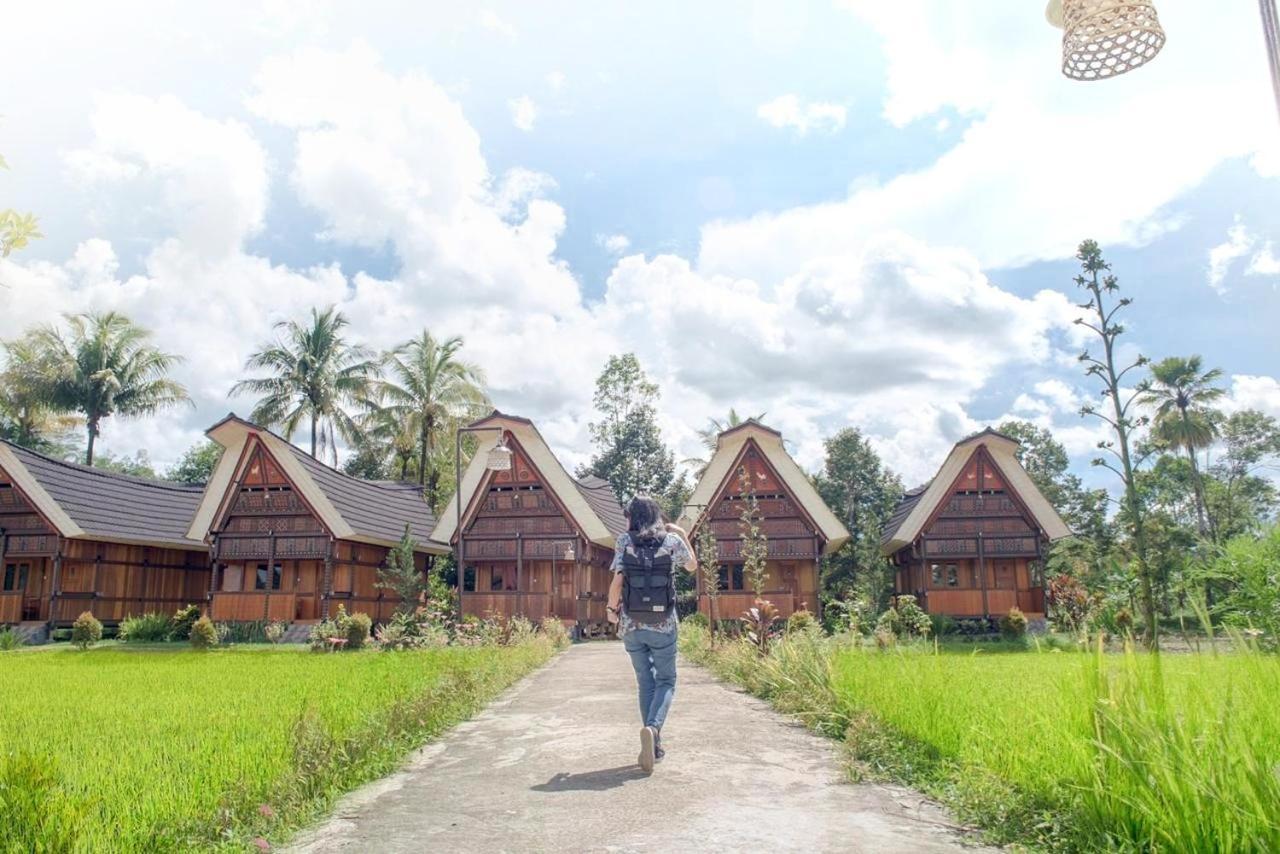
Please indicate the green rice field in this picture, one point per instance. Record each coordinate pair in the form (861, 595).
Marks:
(155, 750)
(1079, 751)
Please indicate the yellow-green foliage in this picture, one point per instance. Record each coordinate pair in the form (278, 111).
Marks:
(1077, 751)
(86, 630)
(164, 750)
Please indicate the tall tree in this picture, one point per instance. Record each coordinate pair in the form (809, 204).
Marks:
(104, 366)
(429, 388)
(1102, 287)
(710, 435)
(197, 464)
(630, 453)
(1182, 394)
(1243, 500)
(863, 492)
(755, 545)
(317, 375)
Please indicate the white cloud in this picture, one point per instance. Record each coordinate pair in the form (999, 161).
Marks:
(1240, 243)
(555, 80)
(490, 20)
(614, 244)
(787, 111)
(1025, 180)
(523, 112)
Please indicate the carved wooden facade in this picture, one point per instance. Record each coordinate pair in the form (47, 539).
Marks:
(979, 552)
(46, 577)
(524, 554)
(275, 560)
(795, 543)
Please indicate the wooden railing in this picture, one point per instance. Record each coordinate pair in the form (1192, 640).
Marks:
(256, 605)
(731, 606)
(10, 607)
(506, 604)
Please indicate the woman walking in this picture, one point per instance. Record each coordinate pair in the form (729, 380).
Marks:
(642, 601)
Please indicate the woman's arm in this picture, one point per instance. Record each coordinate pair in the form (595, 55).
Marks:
(692, 563)
(615, 597)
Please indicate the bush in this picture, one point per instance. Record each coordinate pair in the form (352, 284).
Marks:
(801, 621)
(943, 625)
(697, 618)
(358, 628)
(518, 630)
(245, 631)
(274, 632)
(147, 628)
(183, 620)
(553, 630)
(86, 630)
(474, 631)
(1013, 625)
(204, 634)
(419, 629)
(904, 619)
(9, 639)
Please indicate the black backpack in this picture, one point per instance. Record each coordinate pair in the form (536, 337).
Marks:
(648, 590)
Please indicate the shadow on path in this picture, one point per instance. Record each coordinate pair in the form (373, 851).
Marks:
(591, 781)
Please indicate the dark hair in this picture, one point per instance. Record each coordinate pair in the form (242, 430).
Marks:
(644, 518)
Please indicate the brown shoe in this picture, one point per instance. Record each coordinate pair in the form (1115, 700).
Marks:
(646, 759)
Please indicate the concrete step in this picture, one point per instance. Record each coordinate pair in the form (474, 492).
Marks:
(33, 632)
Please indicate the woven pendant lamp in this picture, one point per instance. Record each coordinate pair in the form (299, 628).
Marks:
(1105, 38)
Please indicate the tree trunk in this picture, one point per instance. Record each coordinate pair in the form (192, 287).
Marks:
(93, 435)
(313, 434)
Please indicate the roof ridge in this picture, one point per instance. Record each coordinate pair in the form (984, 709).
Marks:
(107, 473)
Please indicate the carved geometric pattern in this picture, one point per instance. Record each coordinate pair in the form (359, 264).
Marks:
(1010, 545)
(951, 547)
(32, 544)
(268, 502)
(23, 522)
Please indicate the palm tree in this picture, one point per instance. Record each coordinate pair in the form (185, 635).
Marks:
(710, 435)
(104, 367)
(429, 391)
(317, 375)
(1182, 395)
(26, 417)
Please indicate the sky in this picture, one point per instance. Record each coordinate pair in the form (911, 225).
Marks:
(838, 214)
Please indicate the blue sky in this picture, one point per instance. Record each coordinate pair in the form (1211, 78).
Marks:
(843, 214)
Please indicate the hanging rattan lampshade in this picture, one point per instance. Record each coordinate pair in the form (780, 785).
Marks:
(1105, 38)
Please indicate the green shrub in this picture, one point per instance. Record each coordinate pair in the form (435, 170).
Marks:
(243, 631)
(204, 634)
(359, 627)
(943, 625)
(518, 630)
(274, 632)
(1013, 625)
(86, 630)
(801, 621)
(9, 639)
(474, 631)
(183, 620)
(419, 629)
(904, 619)
(147, 628)
(697, 618)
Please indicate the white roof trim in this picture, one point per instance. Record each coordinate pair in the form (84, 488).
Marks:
(219, 482)
(728, 446)
(35, 493)
(1002, 452)
(555, 477)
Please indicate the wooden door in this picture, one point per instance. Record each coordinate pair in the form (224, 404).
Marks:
(1005, 575)
(566, 604)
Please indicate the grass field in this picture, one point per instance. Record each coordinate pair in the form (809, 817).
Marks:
(153, 750)
(1080, 751)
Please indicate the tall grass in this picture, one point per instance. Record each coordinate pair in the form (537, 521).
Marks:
(126, 750)
(1073, 751)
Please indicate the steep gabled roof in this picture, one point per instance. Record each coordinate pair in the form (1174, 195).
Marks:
(590, 506)
(729, 446)
(85, 503)
(913, 512)
(906, 504)
(351, 508)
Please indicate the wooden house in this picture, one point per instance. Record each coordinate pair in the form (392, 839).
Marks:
(292, 538)
(535, 541)
(76, 539)
(799, 526)
(970, 542)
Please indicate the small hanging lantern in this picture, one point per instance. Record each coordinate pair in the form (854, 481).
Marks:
(499, 457)
(1105, 38)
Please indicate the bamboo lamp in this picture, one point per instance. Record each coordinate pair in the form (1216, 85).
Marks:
(1105, 38)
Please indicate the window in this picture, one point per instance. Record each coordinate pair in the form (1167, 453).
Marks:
(730, 577)
(260, 582)
(495, 578)
(944, 575)
(15, 576)
(469, 579)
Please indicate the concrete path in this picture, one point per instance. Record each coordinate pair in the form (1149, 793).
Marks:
(550, 766)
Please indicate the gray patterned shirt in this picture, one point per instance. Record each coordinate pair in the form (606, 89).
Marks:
(679, 560)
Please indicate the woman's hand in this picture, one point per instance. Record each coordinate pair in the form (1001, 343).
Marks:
(612, 614)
